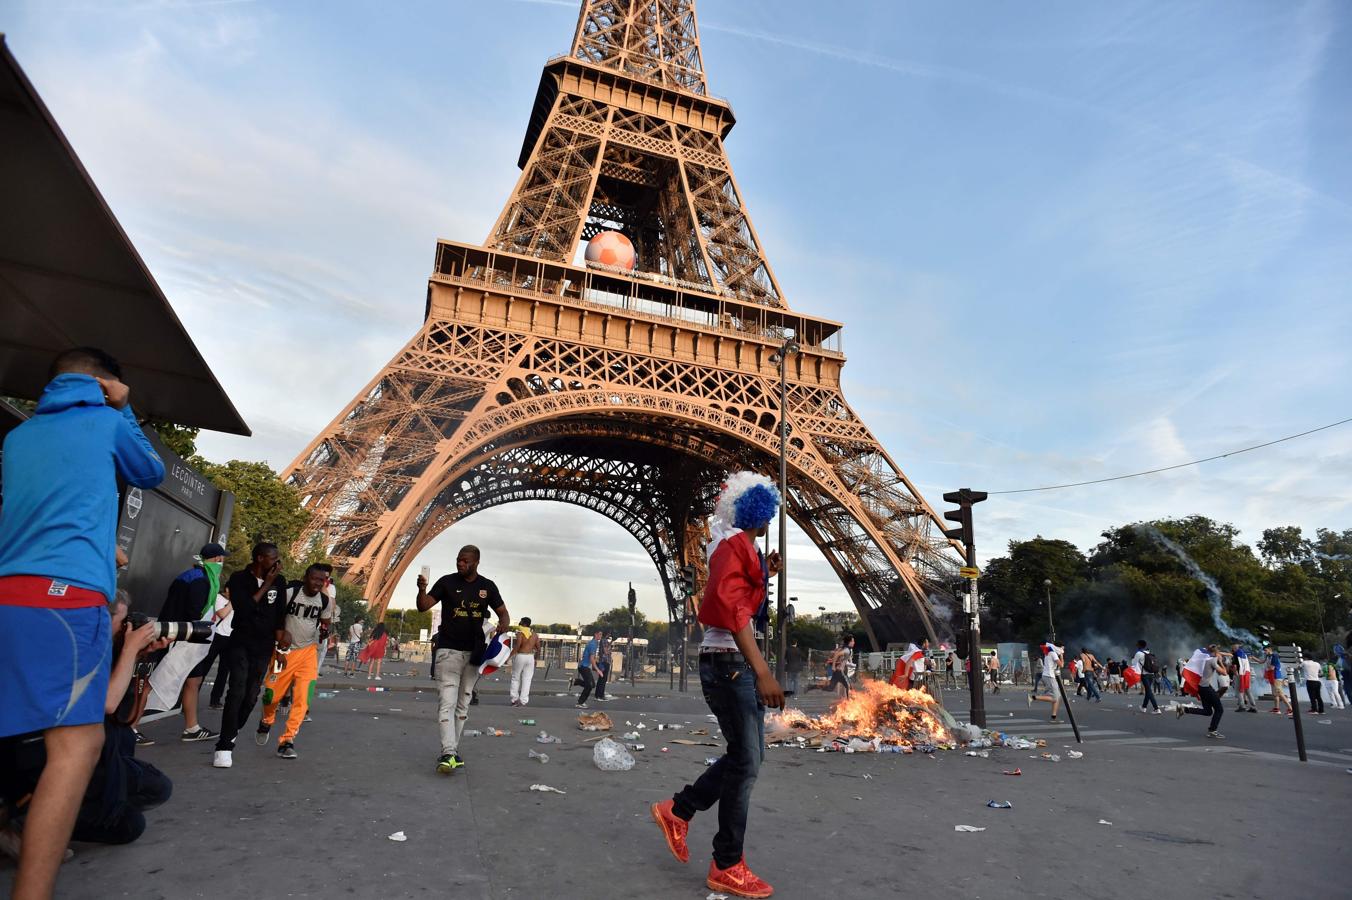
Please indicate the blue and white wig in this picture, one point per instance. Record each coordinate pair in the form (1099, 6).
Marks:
(748, 500)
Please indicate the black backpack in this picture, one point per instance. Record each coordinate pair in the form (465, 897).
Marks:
(1151, 667)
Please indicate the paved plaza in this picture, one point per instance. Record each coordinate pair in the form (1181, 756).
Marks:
(1189, 818)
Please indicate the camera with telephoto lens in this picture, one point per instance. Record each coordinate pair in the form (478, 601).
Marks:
(191, 632)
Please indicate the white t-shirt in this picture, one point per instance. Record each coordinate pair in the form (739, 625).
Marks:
(716, 638)
(1311, 670)
(1138, 662)
(354, 633)
(224, 625)
(920, 665)
(1050, 661)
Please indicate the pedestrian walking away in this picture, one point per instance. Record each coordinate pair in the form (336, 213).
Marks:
(793, 665)
(1089, 665)
(1243, 680)
(373, 654)
(1143, 669)
(993, 668)
(1314, 686)
(1046, 689)
(737, 684)
(588, 668)
(1200, 679)
(523, 662)
(258, 597)
(352, 659)
(296, 662)
(1276, 679)
(466, 598)
(58, 570)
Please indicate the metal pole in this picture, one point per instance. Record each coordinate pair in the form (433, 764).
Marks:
(1295, 717)
(781, 601)
(974, 685)
(1047, 583)
(1066, 701)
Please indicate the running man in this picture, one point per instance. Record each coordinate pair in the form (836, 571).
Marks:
(258, 597)
(523, 662)
(1051, 668)
(1199, 679)
(58, 570)
(308, 614)
(587, 668)
(738, 686)
(466, 597)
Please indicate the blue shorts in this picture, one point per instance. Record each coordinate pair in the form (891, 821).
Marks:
(54, 666)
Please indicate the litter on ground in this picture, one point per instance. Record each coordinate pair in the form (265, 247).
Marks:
(967, 828)
(544, 788)
(399, 836)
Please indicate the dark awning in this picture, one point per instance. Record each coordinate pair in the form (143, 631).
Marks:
(70, 277)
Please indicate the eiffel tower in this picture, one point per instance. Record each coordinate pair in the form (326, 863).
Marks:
(627, 392)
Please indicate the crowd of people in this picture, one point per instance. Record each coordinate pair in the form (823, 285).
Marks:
(1208, 675)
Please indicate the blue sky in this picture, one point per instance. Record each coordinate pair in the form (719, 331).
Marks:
(1068, 240)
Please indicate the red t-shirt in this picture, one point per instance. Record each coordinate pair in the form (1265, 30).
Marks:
(736, 585)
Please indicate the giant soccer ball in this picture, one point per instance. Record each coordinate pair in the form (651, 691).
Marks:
(610, 248)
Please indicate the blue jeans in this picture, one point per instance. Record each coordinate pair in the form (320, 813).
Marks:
(1148, 683)
(730, 690)
(1091, 685)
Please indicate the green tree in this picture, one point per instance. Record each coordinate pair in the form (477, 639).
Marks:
(1013, 587)
(812, 635)
(559, 628)
(179, 438)
(266, 509)
(616, 621)
(351, 605)
(408, 622)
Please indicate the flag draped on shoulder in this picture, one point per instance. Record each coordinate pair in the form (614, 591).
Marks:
(901, 675)
(1192, 671)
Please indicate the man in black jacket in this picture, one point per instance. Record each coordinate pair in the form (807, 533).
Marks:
(258, 597)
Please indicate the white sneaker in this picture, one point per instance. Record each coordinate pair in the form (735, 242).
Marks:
(377, 678)
(223, 759)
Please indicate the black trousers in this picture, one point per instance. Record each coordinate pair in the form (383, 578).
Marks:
(601, 684)
(219, 644)
(246, 668)
(588, 682)
(1211, 706)
(1315, 691)
(147, 788)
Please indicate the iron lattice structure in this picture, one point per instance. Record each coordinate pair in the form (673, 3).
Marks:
(628, 393)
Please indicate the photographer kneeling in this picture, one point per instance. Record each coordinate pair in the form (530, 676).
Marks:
(122, 787)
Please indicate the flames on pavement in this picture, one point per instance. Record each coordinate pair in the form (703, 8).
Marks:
(875, 709)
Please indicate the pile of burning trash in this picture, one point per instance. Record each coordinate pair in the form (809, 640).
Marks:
(877, 717)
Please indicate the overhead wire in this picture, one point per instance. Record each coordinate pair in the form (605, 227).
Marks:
(1195, 462)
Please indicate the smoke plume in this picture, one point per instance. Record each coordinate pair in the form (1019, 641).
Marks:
(1213, 590)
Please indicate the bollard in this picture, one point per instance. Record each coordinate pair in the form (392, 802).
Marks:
(1295, 717)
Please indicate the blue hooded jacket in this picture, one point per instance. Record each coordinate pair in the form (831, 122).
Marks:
(59, 517)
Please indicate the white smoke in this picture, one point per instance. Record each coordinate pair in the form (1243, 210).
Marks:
(1213, 590)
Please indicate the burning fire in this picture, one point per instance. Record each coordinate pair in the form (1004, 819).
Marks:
(875, 709)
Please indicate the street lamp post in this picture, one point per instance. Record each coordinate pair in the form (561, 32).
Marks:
(781, 602)
(1047, 584)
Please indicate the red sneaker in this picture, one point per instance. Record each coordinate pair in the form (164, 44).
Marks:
(673, 829)
(737, 880)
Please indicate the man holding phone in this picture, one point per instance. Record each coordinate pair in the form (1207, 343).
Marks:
(258, 597)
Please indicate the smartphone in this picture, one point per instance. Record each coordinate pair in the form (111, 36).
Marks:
(427, 574)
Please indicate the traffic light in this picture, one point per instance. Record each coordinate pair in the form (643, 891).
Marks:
(687, 581)
(963, 514)
(633, 598)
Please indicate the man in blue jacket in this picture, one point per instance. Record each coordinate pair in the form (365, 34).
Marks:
(58, 571)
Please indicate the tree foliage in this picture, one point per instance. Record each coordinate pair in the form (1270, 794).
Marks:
(266, 509)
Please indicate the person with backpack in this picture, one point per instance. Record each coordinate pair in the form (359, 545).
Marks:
(1145, 667)
(296, 661)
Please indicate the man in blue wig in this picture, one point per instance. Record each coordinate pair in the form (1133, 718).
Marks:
(737, 684)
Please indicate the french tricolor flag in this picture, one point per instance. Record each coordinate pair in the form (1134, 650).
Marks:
(901, 675)
(1192, 671)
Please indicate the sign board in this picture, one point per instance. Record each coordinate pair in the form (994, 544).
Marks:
(424, 635)
(1291, 657)
(969, 572)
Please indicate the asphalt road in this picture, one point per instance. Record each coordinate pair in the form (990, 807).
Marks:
(1189, 818)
